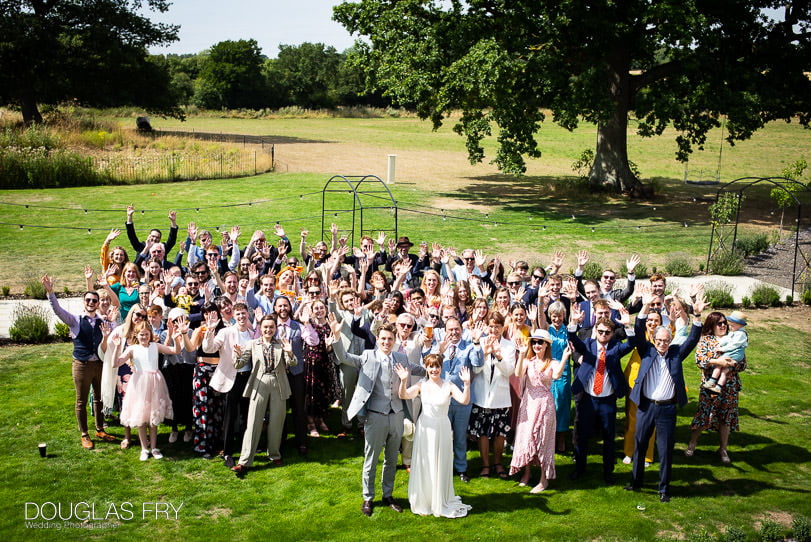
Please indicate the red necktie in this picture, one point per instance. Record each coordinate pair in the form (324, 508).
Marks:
(599, 376)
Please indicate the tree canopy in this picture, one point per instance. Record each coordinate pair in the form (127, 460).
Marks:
(94, 51)
(231, 75)
(670, 62)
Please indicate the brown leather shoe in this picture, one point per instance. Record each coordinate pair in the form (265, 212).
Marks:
(367, 508)
(87, 444)
(391, 503)
(105, 436)
(239, 470)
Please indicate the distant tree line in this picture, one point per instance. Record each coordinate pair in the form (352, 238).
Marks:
(235, 74)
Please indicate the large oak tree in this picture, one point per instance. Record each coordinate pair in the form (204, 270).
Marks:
(93, 51)
(680, 63)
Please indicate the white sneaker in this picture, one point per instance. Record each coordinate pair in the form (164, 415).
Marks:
(187, 436)
(627, 460)
(157, 453)
(173, 437)
(648, 464)
(144, 454)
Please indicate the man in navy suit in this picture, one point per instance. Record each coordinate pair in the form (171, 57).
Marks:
(377, 398)
(598, 382)
(658, 390)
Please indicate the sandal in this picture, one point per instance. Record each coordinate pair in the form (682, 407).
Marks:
(125, 444)
(501, 472)
(485, 472)
(724, 457)
(524, 481)
(690, 451)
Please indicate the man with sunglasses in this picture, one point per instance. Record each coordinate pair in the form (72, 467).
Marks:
(85, 330)
(193, 284)
(659, 392)
(598, 383)
(608, 278)
(467, 266)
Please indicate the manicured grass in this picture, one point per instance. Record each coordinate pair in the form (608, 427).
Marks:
(319, 499)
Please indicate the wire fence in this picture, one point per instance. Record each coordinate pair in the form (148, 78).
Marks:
(183, 166)
(262, 141)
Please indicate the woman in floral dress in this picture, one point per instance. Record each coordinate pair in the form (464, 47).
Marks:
(716, 411)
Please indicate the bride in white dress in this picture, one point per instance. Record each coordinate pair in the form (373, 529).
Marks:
(430, 486)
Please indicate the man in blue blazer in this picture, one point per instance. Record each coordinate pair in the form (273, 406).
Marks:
(658, 390)
(377, 399)
(598, 382)
(457, 353)
(289, 329)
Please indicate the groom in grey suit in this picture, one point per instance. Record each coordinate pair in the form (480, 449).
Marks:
(376, 398)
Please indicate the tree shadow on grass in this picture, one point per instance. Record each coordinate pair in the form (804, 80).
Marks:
(559, 197)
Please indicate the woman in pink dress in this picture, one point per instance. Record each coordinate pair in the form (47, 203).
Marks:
(535, 424)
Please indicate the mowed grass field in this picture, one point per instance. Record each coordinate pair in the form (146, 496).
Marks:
(319, 499)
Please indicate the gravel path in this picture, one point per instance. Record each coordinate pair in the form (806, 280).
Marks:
(775, 265)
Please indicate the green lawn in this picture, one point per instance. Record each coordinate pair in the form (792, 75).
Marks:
(319, 499)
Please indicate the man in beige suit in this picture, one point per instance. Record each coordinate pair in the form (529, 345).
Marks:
(268, 359)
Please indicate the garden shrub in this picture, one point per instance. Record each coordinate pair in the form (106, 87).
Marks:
(30, 324)
(746, 302)
(592, 271)
(727, 263)
(6, 291)
(678, 265)
(749, 245)
(806, 295)
(801, 528)
(765, 295)
(733, 534)
(770, 531)
(35, 289)
(719, 294)
(62, 331)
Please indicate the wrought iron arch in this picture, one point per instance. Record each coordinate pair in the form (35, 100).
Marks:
(719, 234)
(366, 199)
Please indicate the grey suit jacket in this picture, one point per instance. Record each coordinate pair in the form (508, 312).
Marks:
(255, 354)
(369, 365)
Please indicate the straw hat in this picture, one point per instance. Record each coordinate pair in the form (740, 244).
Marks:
(738, 317)
(541, 334)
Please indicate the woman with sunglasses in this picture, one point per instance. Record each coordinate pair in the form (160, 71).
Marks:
(114, 378)
(535, 427)
(716, 411)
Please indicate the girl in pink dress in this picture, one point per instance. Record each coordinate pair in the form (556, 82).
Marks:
(535, 425)
(147, 401)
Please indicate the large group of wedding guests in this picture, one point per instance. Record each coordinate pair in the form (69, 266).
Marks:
(428, 351)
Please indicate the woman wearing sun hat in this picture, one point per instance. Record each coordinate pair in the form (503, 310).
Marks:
(535, 430)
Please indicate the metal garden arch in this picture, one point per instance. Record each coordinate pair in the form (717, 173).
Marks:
(367, 198)
(798, 195)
